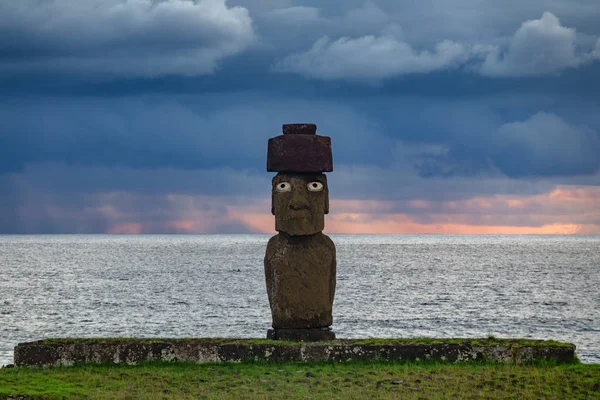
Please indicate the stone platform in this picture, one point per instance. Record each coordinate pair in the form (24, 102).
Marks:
(301, 335)
(64, 352)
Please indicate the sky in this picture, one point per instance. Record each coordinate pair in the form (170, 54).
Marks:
(152, 116)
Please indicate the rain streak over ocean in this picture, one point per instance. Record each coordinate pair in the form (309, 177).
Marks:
(545, 287)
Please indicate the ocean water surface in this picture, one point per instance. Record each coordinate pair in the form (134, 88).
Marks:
(544, 287)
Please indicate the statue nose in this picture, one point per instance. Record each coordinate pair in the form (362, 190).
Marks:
(299, 202)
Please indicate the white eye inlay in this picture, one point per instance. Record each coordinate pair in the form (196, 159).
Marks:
(315, 186)
(283, 187)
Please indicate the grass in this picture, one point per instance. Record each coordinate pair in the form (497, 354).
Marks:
(324, 380)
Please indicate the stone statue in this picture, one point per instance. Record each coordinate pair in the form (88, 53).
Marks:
(300, 263)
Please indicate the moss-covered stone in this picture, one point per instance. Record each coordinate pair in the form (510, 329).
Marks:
(55, 352)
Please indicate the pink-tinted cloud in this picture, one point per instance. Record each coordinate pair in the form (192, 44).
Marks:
(564, 210)
(129, 213)
(176, 214)
(126, 228)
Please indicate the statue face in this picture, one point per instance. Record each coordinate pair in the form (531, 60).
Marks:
(300, 202)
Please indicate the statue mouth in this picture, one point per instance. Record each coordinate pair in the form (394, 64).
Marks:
(296, 214)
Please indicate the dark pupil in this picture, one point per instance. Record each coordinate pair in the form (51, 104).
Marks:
(282, 185)
(315, 185)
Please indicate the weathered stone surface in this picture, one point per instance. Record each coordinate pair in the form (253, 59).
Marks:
(299, 210)
(300, 262)
(73, 351)
(301, 335)
(300, 274)
(299, 153)
(119, 352)
(299, 129)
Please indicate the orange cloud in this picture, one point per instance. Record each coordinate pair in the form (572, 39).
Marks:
(564, 210)
(403, 224)
(127, 228)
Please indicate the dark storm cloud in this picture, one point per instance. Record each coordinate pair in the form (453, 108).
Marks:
(542, 144)
(401, 183)
(120, 38)
(545, 145)
(520, 135)
(65, 179)
(516, 135)
(184, 133)
(354, 40)
(35, 206)
(33, 210)
(8, 206)
(112, 111)
(420, 23)
(230, 131)
(233, 227)
(539, 47)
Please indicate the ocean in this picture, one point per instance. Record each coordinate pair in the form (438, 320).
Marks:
(530, 286)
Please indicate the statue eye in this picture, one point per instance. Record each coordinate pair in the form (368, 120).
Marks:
(283, 187)
(315, 186)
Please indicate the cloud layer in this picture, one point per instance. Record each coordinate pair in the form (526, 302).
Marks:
(366, 41)
(370, 57)
(539, 47)
(132, 38)
(129, 116)
(545, 144)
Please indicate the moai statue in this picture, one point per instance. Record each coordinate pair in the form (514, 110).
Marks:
(300, 261)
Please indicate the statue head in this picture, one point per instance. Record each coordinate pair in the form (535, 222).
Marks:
(300, 196)
(300, 202)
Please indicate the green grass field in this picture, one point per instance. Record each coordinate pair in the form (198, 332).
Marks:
(305, 381)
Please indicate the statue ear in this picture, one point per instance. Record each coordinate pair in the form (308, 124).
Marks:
(326, 193)
(273, 196)
(273, 193)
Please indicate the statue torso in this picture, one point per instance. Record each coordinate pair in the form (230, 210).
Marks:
(300, 272)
